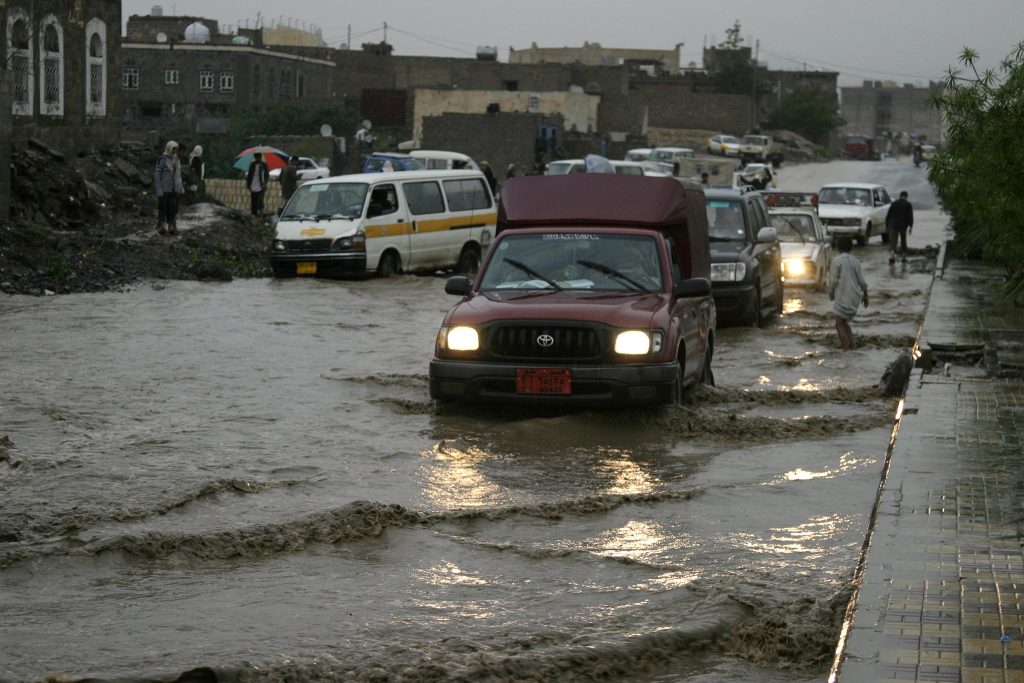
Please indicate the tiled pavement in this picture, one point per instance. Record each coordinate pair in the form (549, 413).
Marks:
(941, 596)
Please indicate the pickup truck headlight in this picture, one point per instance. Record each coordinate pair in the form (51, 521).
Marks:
(459, 338)
(728, 272)
(633, 343)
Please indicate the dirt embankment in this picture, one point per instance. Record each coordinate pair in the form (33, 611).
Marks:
(88, 224)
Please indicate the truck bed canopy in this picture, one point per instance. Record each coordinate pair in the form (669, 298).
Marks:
(608, 200)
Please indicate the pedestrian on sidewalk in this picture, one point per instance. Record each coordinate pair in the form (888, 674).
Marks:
(168, 186)
(256, 180)
(846, 289)
(899, 221)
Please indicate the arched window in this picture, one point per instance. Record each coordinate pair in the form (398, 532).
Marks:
(19, 59)
(96, 68)
(51, 59)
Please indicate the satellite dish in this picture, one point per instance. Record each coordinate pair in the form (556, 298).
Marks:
(161, 37)
(326, 130)
(366, 124)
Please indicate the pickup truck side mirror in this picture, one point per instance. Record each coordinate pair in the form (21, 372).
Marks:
(459, 285)
(694, 287)
(767, 235)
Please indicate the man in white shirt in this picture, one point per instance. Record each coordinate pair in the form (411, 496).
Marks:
(847, 290)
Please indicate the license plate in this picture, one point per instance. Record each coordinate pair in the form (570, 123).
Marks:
(305, 268)
(543, 381)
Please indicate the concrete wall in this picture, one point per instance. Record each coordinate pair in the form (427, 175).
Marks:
(578, 111)
(500, 139)
(235, 194)
(675, 105)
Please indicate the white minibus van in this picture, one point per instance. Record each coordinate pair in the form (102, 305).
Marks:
(385, 223)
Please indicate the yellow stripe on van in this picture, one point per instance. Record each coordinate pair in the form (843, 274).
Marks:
(486, 219)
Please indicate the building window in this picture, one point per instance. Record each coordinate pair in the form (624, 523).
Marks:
(19, 59)
(227, 81)
(130, 78)
(172, 76)
(96, 68)
(205, 81)
(51, 42)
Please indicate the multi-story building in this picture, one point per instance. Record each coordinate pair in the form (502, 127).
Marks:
(884, 109)
(593, 54)
(59, 84)
(182, 73)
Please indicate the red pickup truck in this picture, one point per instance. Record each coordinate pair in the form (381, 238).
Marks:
(595, 291)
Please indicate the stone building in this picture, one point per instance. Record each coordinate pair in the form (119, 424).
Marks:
(182, 74)
(593, 54)
(884, 109)
(59, 85)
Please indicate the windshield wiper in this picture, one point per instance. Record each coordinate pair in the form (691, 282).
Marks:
(299, 217)
(608, 270)
(531, 272)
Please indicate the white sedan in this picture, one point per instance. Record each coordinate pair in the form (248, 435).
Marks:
(308, 169)
(806, 249)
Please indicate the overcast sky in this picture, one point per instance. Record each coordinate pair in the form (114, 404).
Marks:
(908, 41)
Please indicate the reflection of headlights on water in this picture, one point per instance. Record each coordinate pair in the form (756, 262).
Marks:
(458, 339)
(795, 267)
(638, 342)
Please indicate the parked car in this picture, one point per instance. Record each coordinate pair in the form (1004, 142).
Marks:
(806, 249)
(378, 162)
(854, 209)
(307, 169)
(595, 292)
(567, 166)
(670, 155)
(384, 223)
(638, 154)
(725, 145)
(437, 160)
(746, 259)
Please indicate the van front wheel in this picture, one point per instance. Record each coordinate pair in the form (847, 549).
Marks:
(388, 265)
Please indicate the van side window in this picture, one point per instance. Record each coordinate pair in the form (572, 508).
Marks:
(423, 198)
(467, 194)
(383, 200)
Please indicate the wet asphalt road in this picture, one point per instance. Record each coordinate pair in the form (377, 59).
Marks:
(250, 476)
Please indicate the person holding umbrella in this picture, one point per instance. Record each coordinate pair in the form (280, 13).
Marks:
(256, 179)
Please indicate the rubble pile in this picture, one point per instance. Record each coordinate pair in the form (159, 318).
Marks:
(88, 223)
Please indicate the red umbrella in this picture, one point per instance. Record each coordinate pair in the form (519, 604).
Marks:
(272, 157)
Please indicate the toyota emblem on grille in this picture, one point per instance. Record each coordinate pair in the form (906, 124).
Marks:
(545, 340)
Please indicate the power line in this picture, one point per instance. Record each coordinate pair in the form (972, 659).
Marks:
(432, 42)
(846, 69)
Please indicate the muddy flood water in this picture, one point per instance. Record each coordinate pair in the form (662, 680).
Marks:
(250, 479)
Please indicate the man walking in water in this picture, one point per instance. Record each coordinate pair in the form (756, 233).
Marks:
(899, 221)
(847, 290)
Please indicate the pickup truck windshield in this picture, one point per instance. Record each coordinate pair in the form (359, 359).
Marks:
(575, 261)
(725, 222)
(322, 201)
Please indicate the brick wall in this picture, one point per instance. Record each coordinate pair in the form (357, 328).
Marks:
(500, 139)
(235, 194)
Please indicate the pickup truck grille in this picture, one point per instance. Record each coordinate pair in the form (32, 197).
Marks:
(543, 342)
(316, 246)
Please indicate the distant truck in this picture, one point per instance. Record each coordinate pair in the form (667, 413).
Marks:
(759, 148)
(859, 147)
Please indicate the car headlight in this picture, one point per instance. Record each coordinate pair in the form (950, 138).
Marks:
(279, 245)
(459, 338)
(633, 343)
(795, 266)
(728, 272)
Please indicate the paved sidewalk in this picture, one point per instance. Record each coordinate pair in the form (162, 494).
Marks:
(942, 592)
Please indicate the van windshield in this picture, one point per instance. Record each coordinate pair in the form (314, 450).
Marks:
(323, 201)
(559, 261)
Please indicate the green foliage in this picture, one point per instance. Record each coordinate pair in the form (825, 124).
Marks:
(811, 114)
(976, 176)
(59, 269)
(734, 77)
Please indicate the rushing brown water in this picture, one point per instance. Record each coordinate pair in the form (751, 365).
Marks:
(250, 479)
